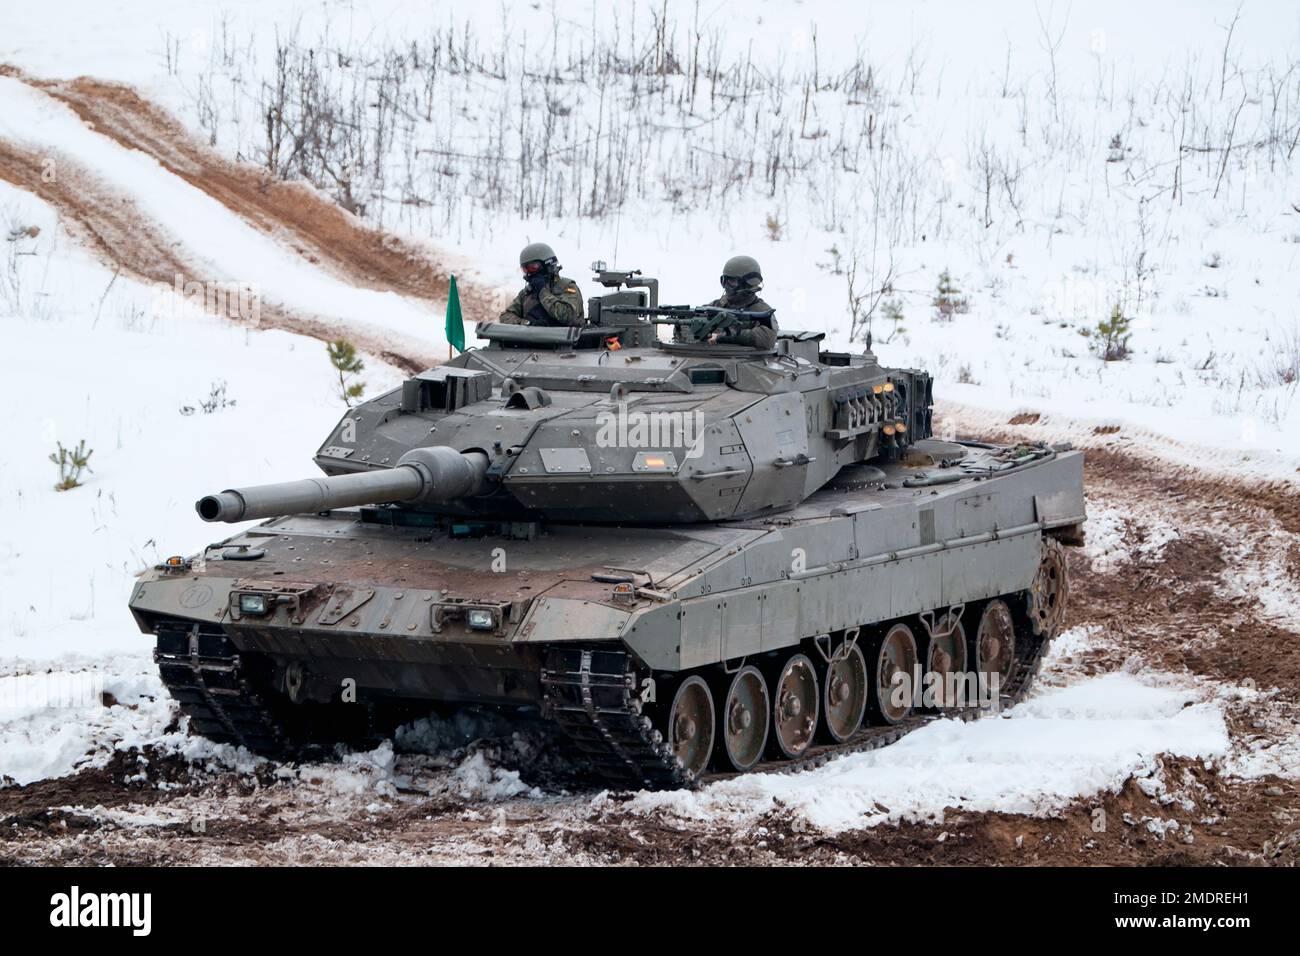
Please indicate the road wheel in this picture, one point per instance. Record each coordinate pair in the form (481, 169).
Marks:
(945, 657)
(844, 694)
(894, 674)
(794, 707)
(994, 646)
(691, 722)
(744, 718)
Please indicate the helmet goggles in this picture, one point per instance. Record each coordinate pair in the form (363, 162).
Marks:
(734, 283)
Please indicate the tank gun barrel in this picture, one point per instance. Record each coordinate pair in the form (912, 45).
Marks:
(422, 474)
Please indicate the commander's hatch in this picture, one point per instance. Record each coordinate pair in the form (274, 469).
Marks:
(804, 345)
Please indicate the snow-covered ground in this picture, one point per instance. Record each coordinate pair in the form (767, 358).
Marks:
(133, 374)
(1077, 224)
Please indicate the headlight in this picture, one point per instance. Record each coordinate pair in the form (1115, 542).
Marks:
(480, 619)
(252, 603)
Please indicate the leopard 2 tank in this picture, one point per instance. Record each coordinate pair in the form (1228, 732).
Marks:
(695, 558)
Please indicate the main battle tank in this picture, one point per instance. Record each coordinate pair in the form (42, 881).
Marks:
(695, 558)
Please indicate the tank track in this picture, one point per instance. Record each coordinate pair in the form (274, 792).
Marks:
(203, 672)
(592, 694)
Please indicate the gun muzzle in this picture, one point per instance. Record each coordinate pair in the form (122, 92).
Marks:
(421, 475)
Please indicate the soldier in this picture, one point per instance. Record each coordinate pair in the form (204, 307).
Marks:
(741, 281)
(548, 298)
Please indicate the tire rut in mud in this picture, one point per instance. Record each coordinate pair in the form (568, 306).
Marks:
(314, 227)
(125, 240)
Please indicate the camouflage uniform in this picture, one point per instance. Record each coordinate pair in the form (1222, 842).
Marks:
(758, 335)
(558, 303)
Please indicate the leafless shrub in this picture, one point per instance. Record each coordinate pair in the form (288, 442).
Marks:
(1282, 367)
(446, 129)
(772, 225)
(18, 243)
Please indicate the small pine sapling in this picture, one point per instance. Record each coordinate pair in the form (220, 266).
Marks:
(343, 356)
(71, 462)
(948, 300)
(1111, 336)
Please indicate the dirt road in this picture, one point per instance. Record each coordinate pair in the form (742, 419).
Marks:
(298, 217)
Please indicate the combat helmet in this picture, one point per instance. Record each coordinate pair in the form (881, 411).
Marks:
(742, 273)
(539, 252)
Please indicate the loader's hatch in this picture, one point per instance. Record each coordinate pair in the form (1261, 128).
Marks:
(445, 389)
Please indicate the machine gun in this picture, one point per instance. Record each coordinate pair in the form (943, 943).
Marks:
(699, 322)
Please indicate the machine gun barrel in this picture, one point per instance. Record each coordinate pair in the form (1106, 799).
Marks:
(422, 474)
(675, 314)
(680, 312)
(702, 321)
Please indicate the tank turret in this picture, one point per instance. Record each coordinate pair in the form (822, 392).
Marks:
(609, 424)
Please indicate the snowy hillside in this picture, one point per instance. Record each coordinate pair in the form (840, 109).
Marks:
(1057, 164)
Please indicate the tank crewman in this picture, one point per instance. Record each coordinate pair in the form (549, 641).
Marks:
(547, 297)
(741, 281)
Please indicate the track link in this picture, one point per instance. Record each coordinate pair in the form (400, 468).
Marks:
(202, 670)
(591, 693)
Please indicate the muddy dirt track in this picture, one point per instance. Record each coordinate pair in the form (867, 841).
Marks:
(297, 216)
(1178, 609)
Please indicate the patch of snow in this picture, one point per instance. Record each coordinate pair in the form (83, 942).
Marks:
(56, 722)
(1053, 748)
(475, 778)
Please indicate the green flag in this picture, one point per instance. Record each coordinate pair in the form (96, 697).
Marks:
(455, 324)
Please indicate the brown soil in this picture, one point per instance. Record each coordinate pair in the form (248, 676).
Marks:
(1258, 825)
(117, 232)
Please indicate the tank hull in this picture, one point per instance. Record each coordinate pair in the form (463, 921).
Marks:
(338, 609)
